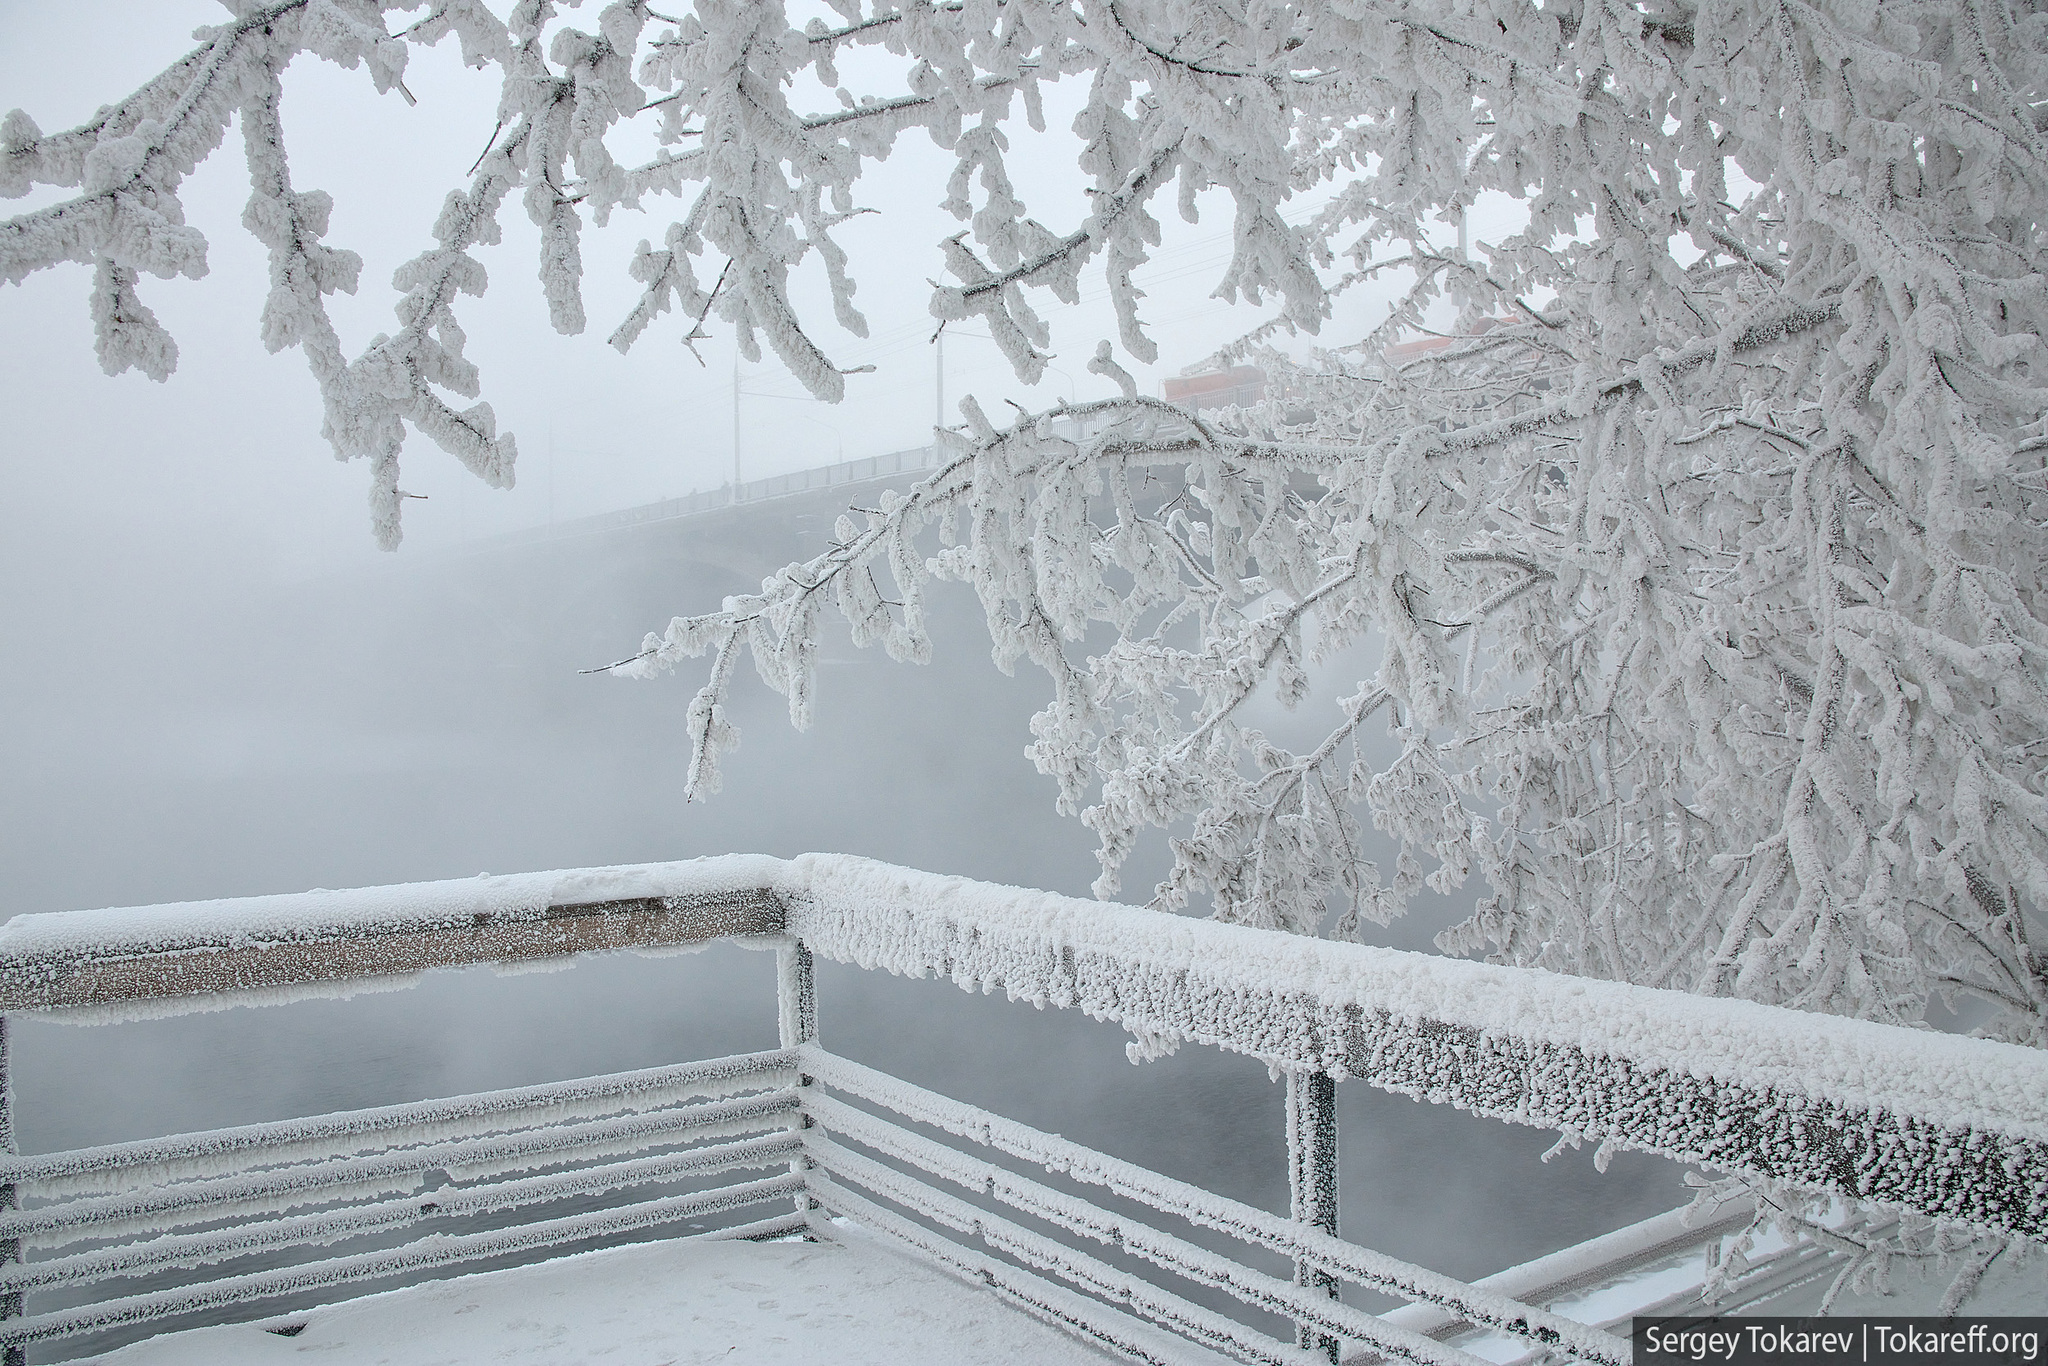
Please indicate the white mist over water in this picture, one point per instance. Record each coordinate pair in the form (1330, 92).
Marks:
(425, 719)
(214, 686)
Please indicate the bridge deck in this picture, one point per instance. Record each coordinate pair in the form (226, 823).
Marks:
(850, 1301)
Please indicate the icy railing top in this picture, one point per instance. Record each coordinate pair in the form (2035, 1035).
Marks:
(324, 914)
(1948, 1126)
(1304, 1002)
(153, 960)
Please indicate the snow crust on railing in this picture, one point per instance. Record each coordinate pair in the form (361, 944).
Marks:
(182, 1157)
(267, 1191)
(297, 1187)
(1949, 1126)
(1210, 983)
(327, 915)
(435, 1250)
(172, 1251)
(1202, 1208)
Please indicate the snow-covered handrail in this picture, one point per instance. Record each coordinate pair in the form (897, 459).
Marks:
(1950, 1127)
(205, 948)
(184, 1157)
(319, 1206)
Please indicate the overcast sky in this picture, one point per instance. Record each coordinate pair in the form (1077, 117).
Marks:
(156, 529)
(230, 446)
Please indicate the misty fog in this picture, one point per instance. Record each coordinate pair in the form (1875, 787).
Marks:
(424, 718)
(214, 688)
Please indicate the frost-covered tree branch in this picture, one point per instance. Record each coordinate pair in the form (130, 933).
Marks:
(127, 221)
(764, 179)
(1701, 567)
(1705, 563)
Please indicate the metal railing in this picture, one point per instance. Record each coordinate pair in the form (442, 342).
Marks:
(281, 1215)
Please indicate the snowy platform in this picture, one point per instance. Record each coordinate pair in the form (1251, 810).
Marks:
(849, 1301)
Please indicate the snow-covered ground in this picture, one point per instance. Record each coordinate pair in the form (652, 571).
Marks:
(656, 1304)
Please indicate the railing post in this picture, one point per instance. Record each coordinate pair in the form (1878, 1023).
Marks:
(10, 1248)
(796, 1009)
(796, 994)
(1312, 1183)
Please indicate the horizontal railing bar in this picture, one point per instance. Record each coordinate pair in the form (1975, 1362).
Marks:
(1607, 1257)
(1111, 1326)
(790, 1225)
(1951, 1127)
(1206, 1209)
(1177, 1255)
(1767, 1278)
(285, 1187)
(1803, 1263)
(1163, 1250)
(635, 1090)
(1690, 1303)
(99, 958)
(420, 1255)
(186, 1250)
(1770, 1275)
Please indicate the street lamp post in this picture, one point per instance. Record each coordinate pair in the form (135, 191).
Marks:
(1071, 400)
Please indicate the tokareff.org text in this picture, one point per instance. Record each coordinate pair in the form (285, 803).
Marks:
(1859, 1341)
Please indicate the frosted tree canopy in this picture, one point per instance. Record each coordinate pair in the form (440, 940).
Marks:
(1701, 567)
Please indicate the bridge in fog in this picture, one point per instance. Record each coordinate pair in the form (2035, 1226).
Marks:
(752, 529)
(755, 527)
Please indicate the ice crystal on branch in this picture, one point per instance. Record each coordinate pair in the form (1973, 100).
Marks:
(1703, 559)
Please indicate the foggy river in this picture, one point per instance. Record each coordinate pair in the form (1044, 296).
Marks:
(425, 719)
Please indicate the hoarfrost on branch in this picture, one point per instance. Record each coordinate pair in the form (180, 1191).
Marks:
(1703, 562)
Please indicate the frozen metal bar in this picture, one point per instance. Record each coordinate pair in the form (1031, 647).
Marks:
(1111, 1326)
(1206, 1209)
(43, 982)
(421, 1255)
(1327, 1317)
(261, 1192)
(796, 995)
(796, 1013)
(13, 1354)
(158, 1160)
(189, 1250)
(1312, 1186)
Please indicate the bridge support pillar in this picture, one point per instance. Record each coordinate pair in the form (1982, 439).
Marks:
(1312, 1184)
